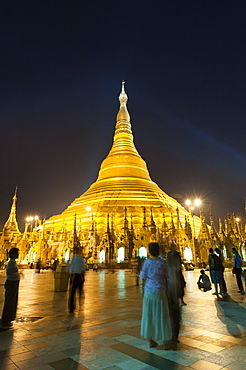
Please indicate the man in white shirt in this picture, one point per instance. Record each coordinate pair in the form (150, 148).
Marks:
(76, 269)
(11, 289)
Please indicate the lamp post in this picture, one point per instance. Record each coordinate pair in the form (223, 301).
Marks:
(30, 220)
(238, 224)
(238, 232)
(191, 204)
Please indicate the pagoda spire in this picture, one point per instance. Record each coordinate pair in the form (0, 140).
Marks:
(178, 224)
(11, 224)
(152, 223)
(123, 159)
(145, 225)
(125, 227)
(164, 227)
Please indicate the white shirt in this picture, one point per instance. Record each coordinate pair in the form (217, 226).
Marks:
(77, 265)
(12, 270)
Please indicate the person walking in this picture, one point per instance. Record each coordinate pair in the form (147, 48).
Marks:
(11, 290)
(175, 262)
(237, 269)
(76, 269)
(155, 323)
(175, 290)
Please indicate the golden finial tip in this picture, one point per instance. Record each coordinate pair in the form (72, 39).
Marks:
(123, 83)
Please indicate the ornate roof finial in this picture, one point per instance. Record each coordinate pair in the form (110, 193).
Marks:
(123, 100)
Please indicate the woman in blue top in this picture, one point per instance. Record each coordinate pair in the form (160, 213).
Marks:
(155, 324)
(237, 269)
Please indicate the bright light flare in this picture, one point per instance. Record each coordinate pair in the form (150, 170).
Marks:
(197, 202)
(88, 208)
(32, 218)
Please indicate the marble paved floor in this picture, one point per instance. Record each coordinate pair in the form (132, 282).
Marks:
(103, 333)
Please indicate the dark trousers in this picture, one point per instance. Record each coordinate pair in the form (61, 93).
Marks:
(11, 300)
(174, 310)
(238, 272)
(223, 283)
(175, 318)
(76, 282)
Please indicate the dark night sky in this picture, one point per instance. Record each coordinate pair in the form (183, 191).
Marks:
(61, 68)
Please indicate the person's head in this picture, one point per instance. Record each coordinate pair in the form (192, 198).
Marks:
(211, 250)
(234, 251)
(154, 249)
(202, 272)
(173, 246)
(218, 251)
(13, 253)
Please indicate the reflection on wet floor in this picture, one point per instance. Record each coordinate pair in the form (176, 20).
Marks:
(103, 333)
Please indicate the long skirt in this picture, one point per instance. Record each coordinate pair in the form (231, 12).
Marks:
(11, 300)
(155, 324)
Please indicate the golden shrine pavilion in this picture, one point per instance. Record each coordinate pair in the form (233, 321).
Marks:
(119, 215)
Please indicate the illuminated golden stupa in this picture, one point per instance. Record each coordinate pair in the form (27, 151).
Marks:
(119, 215)
(123, 198)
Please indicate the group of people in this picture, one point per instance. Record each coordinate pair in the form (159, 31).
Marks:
(216, 268)
(76, 270)
(163, 289)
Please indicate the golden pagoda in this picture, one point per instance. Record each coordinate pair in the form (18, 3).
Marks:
(10, 235)
(123, 209)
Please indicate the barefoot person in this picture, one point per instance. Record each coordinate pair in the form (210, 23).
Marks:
(155, 324)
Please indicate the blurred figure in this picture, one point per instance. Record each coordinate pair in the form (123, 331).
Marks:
(155, 324)
(76, 269)
(237, 269)
(140, 261)
(56, 262)
(38, 266)
(11, 289)
(244, 277)
(175, 262)
(204, 281)
(175, 290)
(95, 267)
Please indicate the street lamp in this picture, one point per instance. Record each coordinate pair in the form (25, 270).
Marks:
(30, 220)
(237, 219)
(191, 205)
